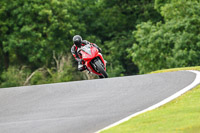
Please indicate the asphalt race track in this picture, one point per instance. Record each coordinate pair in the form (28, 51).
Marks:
(84, 106)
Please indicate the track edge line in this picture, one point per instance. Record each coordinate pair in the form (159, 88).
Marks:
(172, 97)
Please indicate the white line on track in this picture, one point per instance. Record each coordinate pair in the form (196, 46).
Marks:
(189, 87)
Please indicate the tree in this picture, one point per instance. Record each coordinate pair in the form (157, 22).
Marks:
(31, 30)
(174, 43)
(3, 30)
(115, 25)
(160, 3)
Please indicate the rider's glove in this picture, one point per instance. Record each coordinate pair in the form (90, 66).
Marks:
(100, 50)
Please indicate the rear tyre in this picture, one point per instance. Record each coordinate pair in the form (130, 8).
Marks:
(100, 68)
(100, 76)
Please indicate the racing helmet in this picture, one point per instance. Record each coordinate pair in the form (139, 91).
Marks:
(77, 39)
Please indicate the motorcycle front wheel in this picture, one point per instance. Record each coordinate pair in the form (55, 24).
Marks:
(100, 68)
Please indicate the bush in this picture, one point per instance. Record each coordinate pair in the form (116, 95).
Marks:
(63, 72)
(13, 77)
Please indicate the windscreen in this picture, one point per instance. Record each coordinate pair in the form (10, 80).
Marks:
(86, 49)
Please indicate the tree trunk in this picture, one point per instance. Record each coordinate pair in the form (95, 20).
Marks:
(6, 59)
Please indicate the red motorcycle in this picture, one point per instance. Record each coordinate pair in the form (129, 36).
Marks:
(93, 60)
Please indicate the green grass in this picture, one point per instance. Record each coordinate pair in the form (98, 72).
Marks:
(178, 69)
(181, 115)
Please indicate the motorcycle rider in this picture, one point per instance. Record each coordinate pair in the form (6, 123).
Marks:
(78, 42)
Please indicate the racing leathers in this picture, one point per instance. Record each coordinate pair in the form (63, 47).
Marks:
(78, 57)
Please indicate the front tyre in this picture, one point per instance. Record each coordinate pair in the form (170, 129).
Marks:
(100, 68)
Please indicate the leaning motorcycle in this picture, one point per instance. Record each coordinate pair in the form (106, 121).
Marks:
(93, 60)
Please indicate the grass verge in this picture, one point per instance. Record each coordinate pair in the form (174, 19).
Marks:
(181, 115)
(178, 69)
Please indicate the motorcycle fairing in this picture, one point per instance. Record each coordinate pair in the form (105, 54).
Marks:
(89, 53)
(90, 67)
(87, 49)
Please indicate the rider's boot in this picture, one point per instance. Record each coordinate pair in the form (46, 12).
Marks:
(81, 66)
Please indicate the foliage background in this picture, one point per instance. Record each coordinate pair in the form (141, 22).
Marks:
(136, 36)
